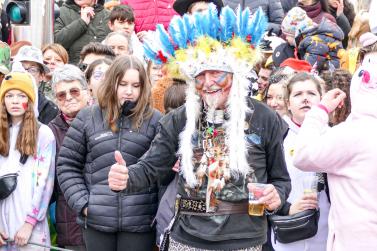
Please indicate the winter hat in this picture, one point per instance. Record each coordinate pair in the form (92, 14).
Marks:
(19, 81)
(281, 53)
(368, 39)
(297, 65)
(296, 20)
(32, 54)
(4, 58)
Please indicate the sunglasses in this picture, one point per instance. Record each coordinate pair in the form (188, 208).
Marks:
(74, 92)
(83, 66)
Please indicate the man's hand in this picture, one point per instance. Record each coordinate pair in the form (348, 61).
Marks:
(87, 13)
(118, 175)
(3, 238)
(270, 197)
(23, 234)
(308, 201)
(333, 99)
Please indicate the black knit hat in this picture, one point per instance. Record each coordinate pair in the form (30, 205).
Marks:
(181, 6)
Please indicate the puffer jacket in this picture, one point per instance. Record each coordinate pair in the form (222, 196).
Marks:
(272, 8)
(84, 162)
(320, 45)
(148, 13)
(73, 33)
(68, 232)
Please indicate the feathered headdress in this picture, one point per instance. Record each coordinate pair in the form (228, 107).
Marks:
(206, 41)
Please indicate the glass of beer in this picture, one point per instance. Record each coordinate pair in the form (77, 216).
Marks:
(255, 193)
(310, 183)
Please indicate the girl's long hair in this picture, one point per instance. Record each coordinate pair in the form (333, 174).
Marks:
(27, 137)
(108, 98)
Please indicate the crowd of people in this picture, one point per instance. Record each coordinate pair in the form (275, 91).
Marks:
(163, 125)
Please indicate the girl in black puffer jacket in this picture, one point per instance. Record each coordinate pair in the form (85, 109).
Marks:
(122, 121)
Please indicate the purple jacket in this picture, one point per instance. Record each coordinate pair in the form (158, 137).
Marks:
(69, 232)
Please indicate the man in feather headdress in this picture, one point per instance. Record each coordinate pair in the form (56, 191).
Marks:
(224, 139)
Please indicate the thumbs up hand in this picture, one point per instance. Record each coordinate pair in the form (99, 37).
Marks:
(118, 175)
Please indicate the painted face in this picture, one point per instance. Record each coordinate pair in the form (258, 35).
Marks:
(52, 60)
(119, 44)
(97, 78)
(34, 69)
(263, 77)
(155, 73)
(199, 7)
(129, 87)
(276, 100)
(122, 25)
(304, 95)
(70, 96)
(214, 87)
(16, 103)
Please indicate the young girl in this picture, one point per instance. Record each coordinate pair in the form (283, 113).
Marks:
(123, 122)
(28, 149)
(304, 91)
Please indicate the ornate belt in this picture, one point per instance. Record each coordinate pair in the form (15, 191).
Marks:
(198, 207)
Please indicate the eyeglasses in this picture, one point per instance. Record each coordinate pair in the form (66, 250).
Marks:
(33, 70)
(83, 66)
(62, 96)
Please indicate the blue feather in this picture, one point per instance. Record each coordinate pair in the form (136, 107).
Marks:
(238, 20)
(189, 28)
(167, 46)
(213, 21)
(227, 21)
(178, 32)
(151, 54)
(257, 26)
(245, 20)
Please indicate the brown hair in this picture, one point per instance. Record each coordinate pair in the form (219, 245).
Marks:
(175, 95)
(27, 137)
(97, 49)
(303, 76)
(58, 49)
(367, 49)
(339, 79)
(107, 93)
(122, 13)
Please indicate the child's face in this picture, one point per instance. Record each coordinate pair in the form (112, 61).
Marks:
(122, 25)
(290, 39)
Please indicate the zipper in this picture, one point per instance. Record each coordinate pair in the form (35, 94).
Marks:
(297, 219)
(120, 193)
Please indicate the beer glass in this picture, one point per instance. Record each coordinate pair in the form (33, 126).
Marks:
(255, 193)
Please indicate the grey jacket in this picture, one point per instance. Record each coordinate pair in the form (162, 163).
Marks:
(83, 165)
(272, 8)
(73, 33)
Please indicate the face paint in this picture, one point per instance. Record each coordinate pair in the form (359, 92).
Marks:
(24, 105)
